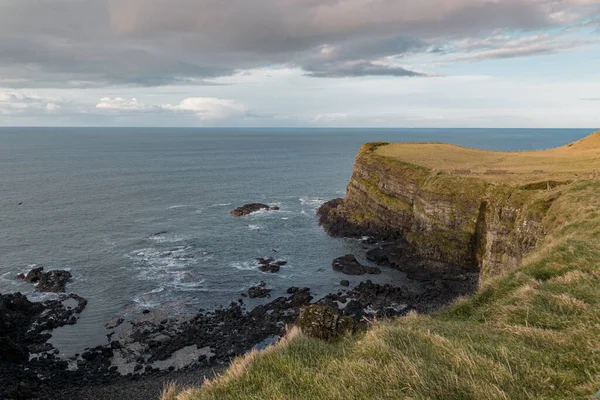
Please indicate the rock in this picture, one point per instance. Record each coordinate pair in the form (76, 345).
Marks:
(350, 266)
(258, 291)
(249, 208)
(344, 283)
(269, 268)
(32, 276)
(323, 322)
(275, 208)
(52, 281)
(11, 352)
(113, 323)
(263, 261)
(270, 265)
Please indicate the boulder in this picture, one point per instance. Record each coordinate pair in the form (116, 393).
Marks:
(270, 265)
(323, 322)
(269, 268)
(250, 208)
(52, 281)
(350, 266)
(258, 291)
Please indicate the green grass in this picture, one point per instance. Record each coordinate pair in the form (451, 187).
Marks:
(531, 333)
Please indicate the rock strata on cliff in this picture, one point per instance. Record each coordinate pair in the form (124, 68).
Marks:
(462, 221)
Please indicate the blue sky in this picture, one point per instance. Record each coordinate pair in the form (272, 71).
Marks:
(352, 63)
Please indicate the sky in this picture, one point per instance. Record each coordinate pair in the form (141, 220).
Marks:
(300, 63)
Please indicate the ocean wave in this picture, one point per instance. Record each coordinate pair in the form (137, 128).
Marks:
(167, 237)
(173, 268)
(254, 227)
(311, 201)
(245, 265)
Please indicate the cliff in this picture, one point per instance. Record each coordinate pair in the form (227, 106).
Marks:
(464, 207)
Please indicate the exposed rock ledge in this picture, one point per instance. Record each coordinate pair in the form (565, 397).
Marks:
(436, 215)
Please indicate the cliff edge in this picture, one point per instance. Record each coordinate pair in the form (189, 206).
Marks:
(465, 207)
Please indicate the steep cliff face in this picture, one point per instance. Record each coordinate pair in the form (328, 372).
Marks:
(460, 220)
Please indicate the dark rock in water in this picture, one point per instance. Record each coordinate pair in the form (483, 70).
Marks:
(292, 290)
(54, 281)
(270, 265)
(323, 322)
(113, 323)
(264, 261)
(32, 276)
(269, 268)
(350, 266)
(252, 207)
(23, 326)
(378, 255)
(344, 283)
(258, 291)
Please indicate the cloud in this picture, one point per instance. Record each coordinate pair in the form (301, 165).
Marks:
(591, 99)
(19, 102)
(507, 46)
(359, 68)
(208, 108)
(122, 104)
(204, 108)
(97, 43)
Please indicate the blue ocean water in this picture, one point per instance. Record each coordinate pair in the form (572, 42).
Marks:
(141, 216)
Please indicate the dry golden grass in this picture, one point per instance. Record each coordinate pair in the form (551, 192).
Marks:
(575, 161)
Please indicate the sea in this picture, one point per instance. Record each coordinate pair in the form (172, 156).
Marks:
(141, 216)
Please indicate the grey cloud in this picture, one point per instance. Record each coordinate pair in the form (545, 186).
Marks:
(591, 99)
(362, 68)
(91, 43)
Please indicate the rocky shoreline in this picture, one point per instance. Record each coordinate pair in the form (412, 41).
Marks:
(155, 345)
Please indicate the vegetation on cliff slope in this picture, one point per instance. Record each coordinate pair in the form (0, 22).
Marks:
(531, 333)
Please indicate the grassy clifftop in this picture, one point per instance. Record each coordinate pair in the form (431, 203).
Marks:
(530, 333)
(575, 161)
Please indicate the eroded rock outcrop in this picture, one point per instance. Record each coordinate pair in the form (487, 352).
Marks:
(462, 221)
(54, 281)
(252, 207)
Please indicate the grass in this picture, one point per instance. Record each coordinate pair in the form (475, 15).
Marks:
(532, 333)
(575, 161)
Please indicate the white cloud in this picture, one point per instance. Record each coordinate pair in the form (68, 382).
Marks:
(19, 102)
(330, 117)
(121, 104)
(204, 108)
(208, 108)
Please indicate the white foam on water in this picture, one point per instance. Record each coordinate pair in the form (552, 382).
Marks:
(244, 265)
(221, 205)
(168, 238)
(254, 227)
(311, 201)
(180, 206)
(10, 277)
(38, 297)
(285, 218)
(172, 269)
